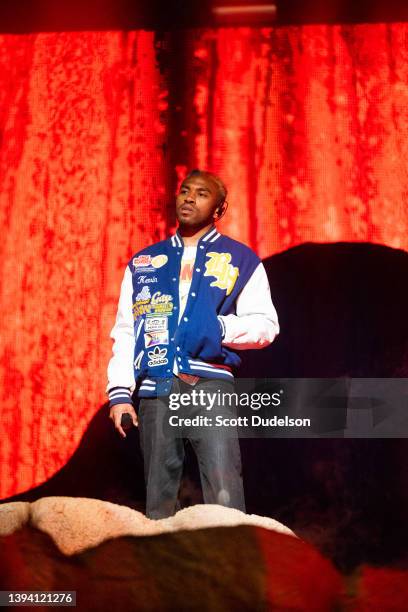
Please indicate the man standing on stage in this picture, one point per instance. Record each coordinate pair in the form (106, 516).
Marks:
(187, 305)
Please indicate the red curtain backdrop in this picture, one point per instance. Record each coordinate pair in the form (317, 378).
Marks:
(306, 125)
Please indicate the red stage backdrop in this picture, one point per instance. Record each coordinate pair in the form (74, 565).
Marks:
(307, 125)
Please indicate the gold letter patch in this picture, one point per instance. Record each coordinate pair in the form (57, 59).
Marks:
(225, 273)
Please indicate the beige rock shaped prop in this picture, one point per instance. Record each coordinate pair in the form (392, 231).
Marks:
(76, 524)
(13, 516)
(203, 516)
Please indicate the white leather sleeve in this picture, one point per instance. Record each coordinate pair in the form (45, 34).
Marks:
(120, 368)
(255, 324)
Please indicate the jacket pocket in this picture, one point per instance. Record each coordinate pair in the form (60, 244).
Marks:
(203, 335)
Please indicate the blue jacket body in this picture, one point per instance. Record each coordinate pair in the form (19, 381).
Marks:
(222, 268)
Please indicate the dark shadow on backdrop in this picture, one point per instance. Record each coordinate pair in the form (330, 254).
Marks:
(342, 314)
(103, 467)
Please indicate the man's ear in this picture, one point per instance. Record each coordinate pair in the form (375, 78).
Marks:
(220, 210)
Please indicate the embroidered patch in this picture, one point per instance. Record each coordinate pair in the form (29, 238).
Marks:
(159, 261)
(162, 302)
(158, 303)
(225, 273)
(157, 357)
(143, 295)
(156, 324)
(146, 279)
(154, 338)
(142, 261)
(138, 360)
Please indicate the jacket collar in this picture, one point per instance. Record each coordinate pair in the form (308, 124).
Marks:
(211, 236)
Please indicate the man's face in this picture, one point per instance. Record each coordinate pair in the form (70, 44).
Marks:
(196, 202)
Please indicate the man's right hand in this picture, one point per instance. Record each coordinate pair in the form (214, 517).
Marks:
(116, 413)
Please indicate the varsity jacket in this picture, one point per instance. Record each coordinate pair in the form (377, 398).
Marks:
(228, 308)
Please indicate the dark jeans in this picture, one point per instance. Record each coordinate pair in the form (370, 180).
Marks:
(216, 448)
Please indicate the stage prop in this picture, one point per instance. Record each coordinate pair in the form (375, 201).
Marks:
(193, 566)
(76, 524)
